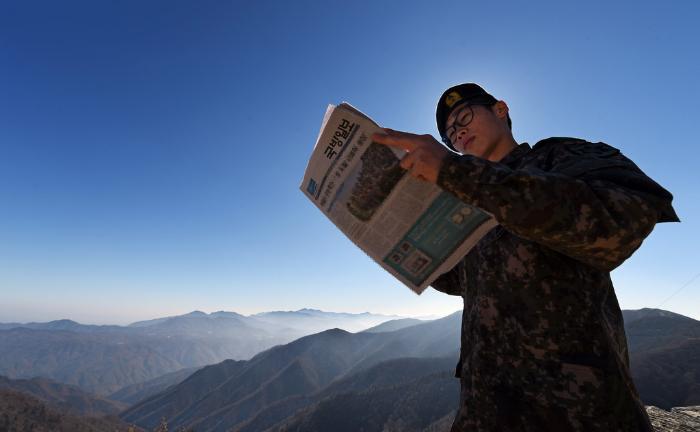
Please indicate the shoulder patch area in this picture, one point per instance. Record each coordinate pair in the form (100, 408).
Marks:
(557, 141)
(578, 147)
(576, 158)
(598, 150)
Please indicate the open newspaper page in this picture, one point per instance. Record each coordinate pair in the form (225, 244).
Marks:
(412, 228)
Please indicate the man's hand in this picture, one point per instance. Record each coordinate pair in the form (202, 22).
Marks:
(424, 153)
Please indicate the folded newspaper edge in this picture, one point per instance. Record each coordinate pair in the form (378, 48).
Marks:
(413, 229)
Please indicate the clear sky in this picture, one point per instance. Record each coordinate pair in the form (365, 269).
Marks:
(151, 151)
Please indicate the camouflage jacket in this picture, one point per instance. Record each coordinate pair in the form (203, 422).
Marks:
(543, 343)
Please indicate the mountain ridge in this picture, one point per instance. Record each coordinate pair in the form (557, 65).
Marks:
(320, 380)
(94, 357)
(301, 367)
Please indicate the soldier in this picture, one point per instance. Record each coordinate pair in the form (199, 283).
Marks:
(543, 345)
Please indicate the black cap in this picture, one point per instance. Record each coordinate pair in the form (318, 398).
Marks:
(455, 96)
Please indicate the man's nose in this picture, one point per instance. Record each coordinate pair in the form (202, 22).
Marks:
(461, 133)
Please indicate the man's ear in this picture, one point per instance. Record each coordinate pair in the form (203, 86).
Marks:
(501, 109)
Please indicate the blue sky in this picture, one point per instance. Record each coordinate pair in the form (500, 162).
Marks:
(151, 152)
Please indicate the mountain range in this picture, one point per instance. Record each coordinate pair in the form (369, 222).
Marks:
(285, 378)
(389, 379)
(105, 359)
(395, 376)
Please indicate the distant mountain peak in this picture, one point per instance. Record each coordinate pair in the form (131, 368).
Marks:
(196, 314)
(62, 324)
(336, 330)
(645, 313)
(227, 314)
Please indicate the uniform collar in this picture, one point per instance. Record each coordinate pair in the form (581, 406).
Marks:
(516, 154)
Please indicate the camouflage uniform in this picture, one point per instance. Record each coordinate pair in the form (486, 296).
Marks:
(543, 343)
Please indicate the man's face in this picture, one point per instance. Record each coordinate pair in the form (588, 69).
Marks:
(474, 130)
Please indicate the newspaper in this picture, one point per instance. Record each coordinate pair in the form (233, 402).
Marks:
(412, 228)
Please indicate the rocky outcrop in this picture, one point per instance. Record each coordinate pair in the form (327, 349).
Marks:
(680, 419)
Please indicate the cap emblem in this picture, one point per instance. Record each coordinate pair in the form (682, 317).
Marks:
(452, 98)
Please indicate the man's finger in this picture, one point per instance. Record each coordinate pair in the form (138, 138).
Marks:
(408, 161)
(422, 165)
(394, 139)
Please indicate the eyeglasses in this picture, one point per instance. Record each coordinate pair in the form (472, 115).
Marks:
(463, 116)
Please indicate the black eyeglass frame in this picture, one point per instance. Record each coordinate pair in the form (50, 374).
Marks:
(445, 138)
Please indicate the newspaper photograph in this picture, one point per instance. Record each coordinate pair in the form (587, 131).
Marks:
(412, 228)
